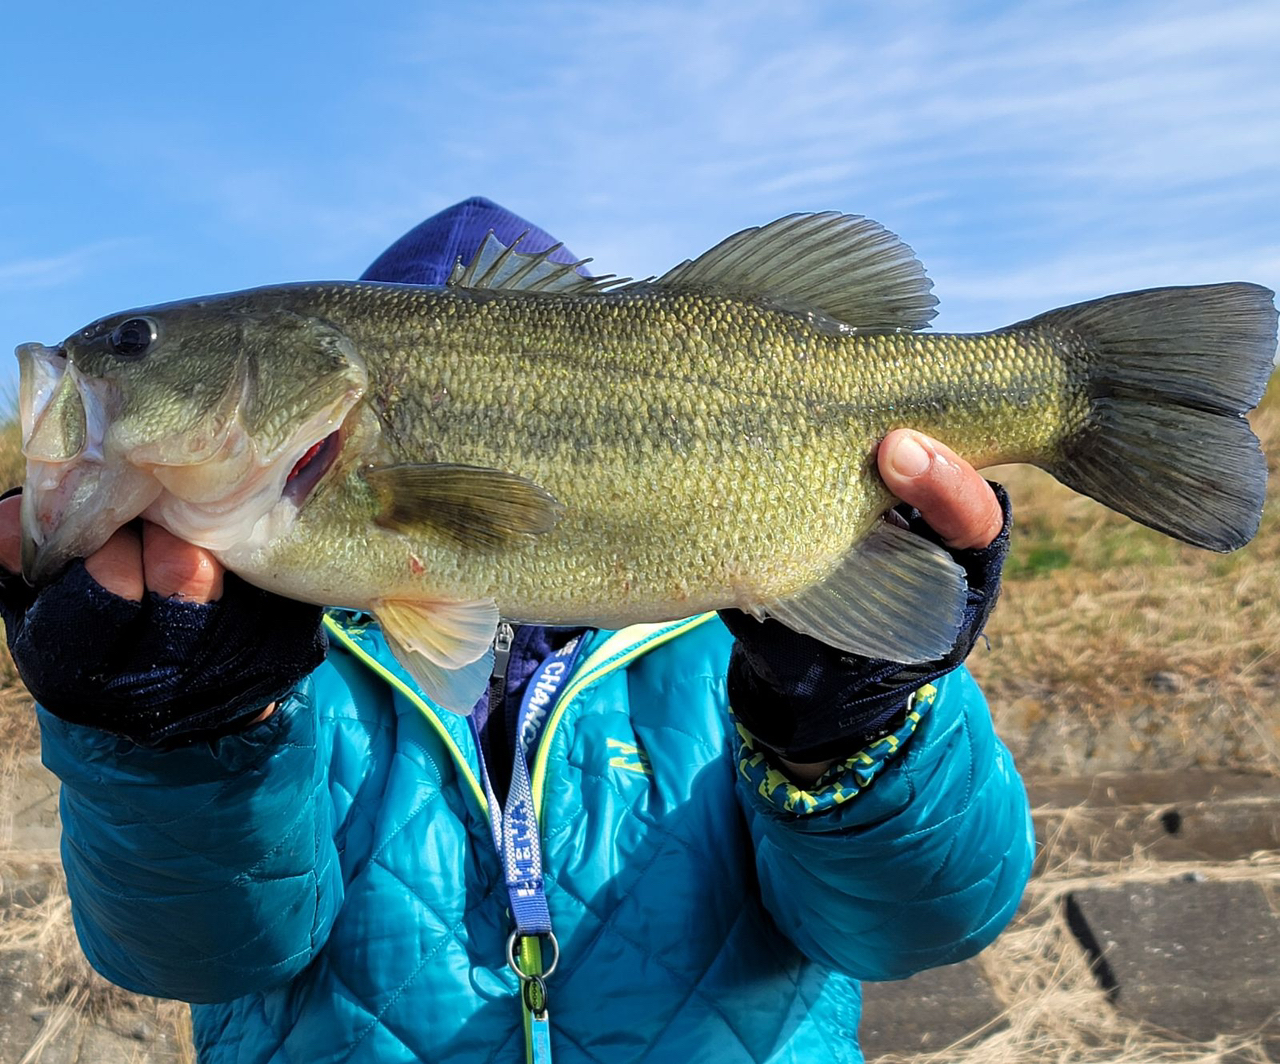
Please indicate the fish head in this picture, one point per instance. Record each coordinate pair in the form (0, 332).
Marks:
(191, 414)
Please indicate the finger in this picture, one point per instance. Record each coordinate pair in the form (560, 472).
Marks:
(176, 568)
(117, 564)
(950, 494)
(11, 533)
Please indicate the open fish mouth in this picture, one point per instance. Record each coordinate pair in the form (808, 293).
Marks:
(308, 471)
(70, 510)
(72, 501)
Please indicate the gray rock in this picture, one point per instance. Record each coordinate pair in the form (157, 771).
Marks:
(1182, 816)
(929, 1011)
(1165, 682)
(18, 1000)
(1197, 958)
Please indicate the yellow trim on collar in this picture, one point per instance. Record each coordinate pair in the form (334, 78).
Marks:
(618, 650)
(338, 632)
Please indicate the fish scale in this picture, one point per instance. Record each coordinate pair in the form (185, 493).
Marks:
(831, 397)
(692, 399)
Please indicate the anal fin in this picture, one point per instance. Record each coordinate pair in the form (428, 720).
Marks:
(446, 646)
(894, 595)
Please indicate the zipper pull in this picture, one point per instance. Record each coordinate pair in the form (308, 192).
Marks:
(502, 641)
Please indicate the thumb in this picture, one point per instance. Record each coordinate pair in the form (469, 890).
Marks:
(952, 497)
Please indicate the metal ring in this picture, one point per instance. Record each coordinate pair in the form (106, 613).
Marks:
(511, 953)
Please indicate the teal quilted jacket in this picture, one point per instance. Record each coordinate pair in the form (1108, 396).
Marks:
(324, 886)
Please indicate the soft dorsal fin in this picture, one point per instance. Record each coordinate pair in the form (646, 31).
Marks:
(844, 265)
(496, 266)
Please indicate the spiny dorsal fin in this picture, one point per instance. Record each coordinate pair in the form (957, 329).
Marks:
(496, 266)
(844, 265)
(473, 505)
(893, 596)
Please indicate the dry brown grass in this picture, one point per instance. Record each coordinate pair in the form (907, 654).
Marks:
(71, 997)
(12, 464)
(12, 471)
(1105, 621)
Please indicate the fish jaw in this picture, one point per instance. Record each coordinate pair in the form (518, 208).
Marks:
(72, 501)
(41, 370)
(70, 509)
(53, 409)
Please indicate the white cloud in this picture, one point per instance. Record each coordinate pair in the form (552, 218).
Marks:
(1037, 146)
(1048, 119)
(50, 271)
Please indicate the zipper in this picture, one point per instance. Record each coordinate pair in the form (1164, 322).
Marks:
(502, 641)
(528, 969)
(612, 654)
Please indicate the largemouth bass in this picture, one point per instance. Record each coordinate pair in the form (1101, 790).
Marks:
(528, 443)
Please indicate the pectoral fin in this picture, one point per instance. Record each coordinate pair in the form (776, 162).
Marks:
(446, 646)
(472, 505)
(893, 596)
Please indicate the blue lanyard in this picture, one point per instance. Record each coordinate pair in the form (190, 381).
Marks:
(515, 825)
(516, 839)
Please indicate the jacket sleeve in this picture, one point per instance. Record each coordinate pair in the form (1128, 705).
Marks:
(202, 873)
(911, 855)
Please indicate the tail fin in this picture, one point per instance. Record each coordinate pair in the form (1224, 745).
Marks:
(1172, 372)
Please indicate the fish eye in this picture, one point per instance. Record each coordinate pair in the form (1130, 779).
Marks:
(131, 338)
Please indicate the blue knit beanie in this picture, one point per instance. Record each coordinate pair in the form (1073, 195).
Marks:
(426, 254)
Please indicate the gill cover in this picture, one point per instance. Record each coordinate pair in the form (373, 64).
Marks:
(295, 380)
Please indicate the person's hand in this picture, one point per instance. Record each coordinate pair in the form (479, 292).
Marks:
(150, 638)
(128, 565)
(811, 702)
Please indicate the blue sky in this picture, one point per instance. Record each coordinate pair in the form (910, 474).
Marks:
(1033, 154)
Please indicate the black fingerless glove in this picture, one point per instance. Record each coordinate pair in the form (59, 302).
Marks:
(161, 672)
(811, 702)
